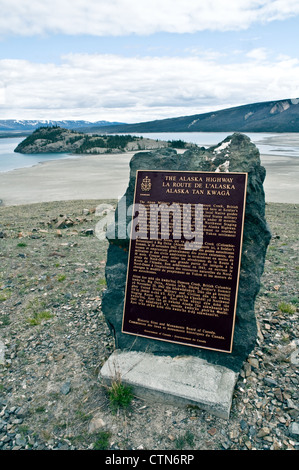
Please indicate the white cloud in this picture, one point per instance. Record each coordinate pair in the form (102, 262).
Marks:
(120, 17)
(259, 54)
(139, 89)
(2, 93)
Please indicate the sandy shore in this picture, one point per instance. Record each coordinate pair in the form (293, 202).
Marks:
(87, 177)
(106, 177)
(282, 178)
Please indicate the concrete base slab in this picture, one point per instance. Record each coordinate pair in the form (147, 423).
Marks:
(182, 380)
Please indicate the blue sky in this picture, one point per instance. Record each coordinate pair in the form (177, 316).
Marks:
(279, 37)
(132, 61)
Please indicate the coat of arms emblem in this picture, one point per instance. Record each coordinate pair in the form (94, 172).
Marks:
(146, 184)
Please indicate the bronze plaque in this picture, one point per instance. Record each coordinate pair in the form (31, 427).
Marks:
(184, 259)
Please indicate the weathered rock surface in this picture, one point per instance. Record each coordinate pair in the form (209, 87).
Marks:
(237, 154)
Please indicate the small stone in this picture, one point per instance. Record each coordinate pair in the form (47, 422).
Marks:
(69, 223)
(243, 424)
(212, 431)
(17, 421)
(294, 429)
(294, 358)
(263, 432)
(247, 369)
(61, 223)
(278, 394)
(60, 357)
(226, 445)
(95, 424)
(248, 445)
(270, 381)
(20, 441)
(291, 404)
(233, 434)
(276, 445)
(253, 362)
(65, 388)
(3, 424)
(282, 419)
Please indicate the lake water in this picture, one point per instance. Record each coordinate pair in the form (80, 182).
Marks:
(267, 143)
(9, 160)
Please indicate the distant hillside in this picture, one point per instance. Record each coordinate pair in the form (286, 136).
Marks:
(268, 116)
(59, 140)
(11, 125)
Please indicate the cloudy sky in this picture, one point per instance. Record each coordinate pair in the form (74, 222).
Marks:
(140, 60)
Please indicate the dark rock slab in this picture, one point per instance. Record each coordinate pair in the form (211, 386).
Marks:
(236, 154)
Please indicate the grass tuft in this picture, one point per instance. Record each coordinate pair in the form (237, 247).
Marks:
(120, 395)
(102, 440)
(4, 295)
(285, 307)
(38, 317)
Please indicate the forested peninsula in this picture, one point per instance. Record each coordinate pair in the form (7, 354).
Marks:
(59, 140)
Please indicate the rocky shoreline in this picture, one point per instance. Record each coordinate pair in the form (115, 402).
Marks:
(54, 339)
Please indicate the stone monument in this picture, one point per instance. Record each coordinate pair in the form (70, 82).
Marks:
(169, 370)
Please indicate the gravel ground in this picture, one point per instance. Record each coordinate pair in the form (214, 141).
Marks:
(54, 340)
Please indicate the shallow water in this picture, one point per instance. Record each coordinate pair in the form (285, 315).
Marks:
(9, 160)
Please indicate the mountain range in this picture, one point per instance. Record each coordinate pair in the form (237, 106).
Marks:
(267, 116)
(15, 125)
